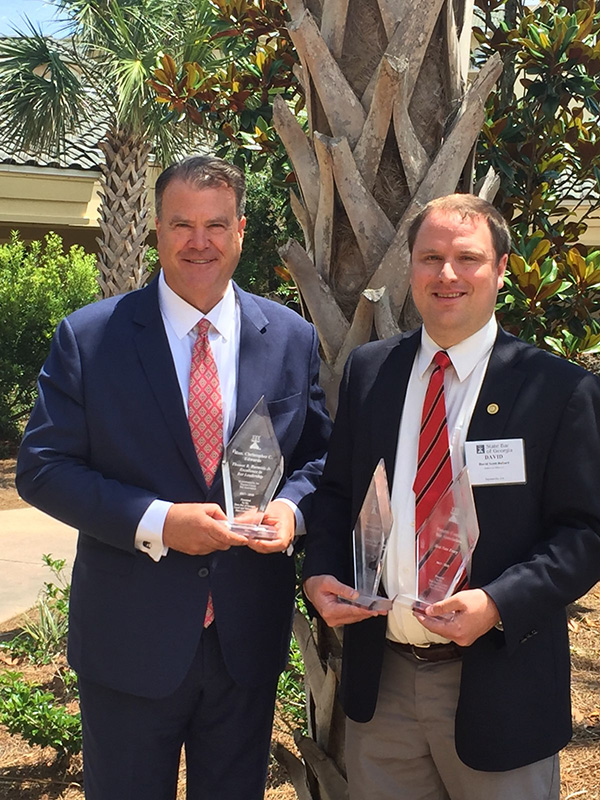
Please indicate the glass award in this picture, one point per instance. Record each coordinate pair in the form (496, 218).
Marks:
(370, 537)
(252, 469)
(445, 544)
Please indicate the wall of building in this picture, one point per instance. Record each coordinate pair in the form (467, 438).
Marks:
(36, 200)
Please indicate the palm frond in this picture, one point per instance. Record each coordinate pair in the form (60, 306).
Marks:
(43, 100)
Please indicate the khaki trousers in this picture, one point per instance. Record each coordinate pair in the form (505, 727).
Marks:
(407, 751)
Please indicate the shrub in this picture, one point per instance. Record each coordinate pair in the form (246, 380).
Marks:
(37, 716)
(39, 285)
(542, 137)
(41, 716)
(44, 637)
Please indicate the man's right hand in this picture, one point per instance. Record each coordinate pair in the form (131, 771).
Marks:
(324, 592)
(198, 529)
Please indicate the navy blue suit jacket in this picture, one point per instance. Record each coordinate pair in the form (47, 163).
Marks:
(109, 434)
(539, 545)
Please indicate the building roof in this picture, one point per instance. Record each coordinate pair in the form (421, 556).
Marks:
(81, 152)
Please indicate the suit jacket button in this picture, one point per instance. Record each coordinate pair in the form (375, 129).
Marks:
(203, 572)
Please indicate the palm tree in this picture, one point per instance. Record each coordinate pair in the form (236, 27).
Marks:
(96, 79)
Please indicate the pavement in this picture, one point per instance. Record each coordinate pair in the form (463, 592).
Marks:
(26, 534)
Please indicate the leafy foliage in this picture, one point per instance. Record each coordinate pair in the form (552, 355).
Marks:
(39, 285)
(99, 73)
(41, 716)
(28, 710)
(542, 136)
(236, 100)
(44, 638)
(270, 224)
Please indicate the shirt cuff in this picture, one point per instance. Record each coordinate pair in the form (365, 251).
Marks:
(148, 536)
(300, 526)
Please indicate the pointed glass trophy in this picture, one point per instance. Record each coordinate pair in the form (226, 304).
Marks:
(252, 469)
(370, 538)
(444, 545)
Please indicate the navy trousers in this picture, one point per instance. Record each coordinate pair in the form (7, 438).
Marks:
(132, 745)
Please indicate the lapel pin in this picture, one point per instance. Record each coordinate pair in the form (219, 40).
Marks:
(493, 408)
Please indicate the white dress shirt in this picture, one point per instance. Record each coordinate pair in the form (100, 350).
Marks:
(180, 320)
(462, 384)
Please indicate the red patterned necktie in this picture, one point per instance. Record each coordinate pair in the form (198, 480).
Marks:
(205, 416)
(434, 476)
(434, 468)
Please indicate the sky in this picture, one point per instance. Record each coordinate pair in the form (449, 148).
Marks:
(12, 13)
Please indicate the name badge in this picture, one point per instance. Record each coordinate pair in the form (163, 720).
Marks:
(496, 461)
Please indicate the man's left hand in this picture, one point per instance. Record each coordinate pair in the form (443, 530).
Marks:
(283, 518)
(469, 614)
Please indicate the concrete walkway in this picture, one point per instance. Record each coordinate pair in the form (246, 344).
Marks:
(26, 534)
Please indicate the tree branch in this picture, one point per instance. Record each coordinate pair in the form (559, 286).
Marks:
(330, 322)
(342, 107)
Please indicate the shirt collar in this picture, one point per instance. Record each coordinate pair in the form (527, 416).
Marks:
(183, 317)
(465, 355)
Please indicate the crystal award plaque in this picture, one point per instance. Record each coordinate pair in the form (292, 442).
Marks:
(252, 469)
(445, 544)
(370, 537)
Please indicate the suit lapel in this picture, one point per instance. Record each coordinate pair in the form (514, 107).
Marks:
(157, 362)
(499, 390)
(388, 399)
(253, 360)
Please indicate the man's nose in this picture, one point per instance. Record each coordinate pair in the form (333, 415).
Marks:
(447, 271)
(197, 238)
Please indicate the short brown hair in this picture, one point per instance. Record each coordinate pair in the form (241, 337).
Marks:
(468, 206)
(203, 172)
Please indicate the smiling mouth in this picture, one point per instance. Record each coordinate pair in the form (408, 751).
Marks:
(448, 295)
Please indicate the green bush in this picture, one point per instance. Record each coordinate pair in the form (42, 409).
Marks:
(38, 716)
(44, 637)
(39, 285)
(542, 138)
(270, 224)
(41, 716)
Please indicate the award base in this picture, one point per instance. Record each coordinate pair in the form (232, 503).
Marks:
(252, 531)
(420, 605)
(370, 602)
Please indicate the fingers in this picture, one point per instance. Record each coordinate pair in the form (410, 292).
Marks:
(330, 597)
(198, 529)
(462, 618)
(282, 518)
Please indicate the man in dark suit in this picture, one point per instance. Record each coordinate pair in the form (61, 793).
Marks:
(470, 699)
(179, 627)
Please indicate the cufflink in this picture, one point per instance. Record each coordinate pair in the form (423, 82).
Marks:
(147, 545)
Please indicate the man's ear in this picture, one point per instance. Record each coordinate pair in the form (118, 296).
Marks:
(502, 269)
(241, 226)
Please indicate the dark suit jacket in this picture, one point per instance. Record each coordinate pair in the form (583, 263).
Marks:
(539, 546)
(109, 434)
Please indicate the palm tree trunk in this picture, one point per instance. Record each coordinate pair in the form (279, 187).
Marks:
(124, 212)
(392, 125)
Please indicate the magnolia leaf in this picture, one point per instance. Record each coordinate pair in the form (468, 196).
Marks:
(541, 249)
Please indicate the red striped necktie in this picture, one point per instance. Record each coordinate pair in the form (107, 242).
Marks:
(205, 416)
(434, 468)
(434, 476)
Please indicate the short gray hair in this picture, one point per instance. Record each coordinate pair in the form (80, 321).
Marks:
(203, 172)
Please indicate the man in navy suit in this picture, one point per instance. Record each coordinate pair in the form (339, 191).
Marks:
(469, 700)
(109, 451)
